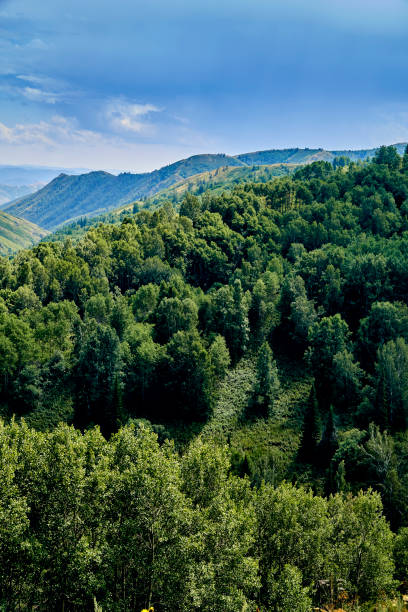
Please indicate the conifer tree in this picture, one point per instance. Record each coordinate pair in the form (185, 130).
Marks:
(340, 478)
(257, 313)
(328, 444)
(244, 468)
(311, 430)
(392, 384)
(405, 160)
(239, 324)
(267, 379)
(117, 403)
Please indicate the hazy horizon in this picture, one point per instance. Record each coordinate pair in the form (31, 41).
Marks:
(76, 170)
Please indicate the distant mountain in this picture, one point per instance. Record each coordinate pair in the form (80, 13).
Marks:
(30, 175)
(17, 234)
(69, 197)
(307, 156)
(216, 181)
(11, 192)
(18, 181)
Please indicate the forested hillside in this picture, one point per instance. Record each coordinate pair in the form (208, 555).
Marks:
(217, 181)
(237, 378)
(220, 180)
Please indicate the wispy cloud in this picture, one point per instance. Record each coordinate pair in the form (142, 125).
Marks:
(41, 80)
(36, 43)
(57, 131)
(39, 95)
(33, 44)
(123, 116)
(38, 88)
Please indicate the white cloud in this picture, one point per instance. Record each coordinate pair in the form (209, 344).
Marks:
(36, 43)
(123, 116)
(38, 95)
(32, 78)
(123, 119)
(55, 132)
(40, 89)
(42, 81)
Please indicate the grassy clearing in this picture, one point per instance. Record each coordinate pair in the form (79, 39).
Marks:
(232, 400)
(270, 445)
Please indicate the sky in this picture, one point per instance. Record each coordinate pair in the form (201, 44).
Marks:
(135, 84)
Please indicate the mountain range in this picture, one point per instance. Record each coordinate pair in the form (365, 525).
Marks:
(12, 192)
(70, 196)
(19, 181)
(67, 197)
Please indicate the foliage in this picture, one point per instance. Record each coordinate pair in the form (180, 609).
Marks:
(283, 300)
(131, 524)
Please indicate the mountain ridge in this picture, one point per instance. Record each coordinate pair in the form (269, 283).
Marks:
(69, 196)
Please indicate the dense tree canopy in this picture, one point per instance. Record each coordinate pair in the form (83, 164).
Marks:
(273, 318)
(128, 524)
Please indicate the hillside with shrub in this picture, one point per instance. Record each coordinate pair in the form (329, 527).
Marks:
(16, 234)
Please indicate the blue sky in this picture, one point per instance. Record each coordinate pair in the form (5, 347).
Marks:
(134, 85)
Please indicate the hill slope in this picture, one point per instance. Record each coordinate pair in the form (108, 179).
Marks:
(17, 234)
(214, 181)
(219, 180)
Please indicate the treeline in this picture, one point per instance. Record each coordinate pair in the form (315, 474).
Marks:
(126, 524)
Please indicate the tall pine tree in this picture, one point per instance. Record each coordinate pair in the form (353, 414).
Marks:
(239, 324)
(340, 478)
(392, 384)
(267, 380)
(311, 430)
(328, 444)
(405, 160)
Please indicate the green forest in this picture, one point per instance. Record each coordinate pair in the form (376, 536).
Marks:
(205, 406)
